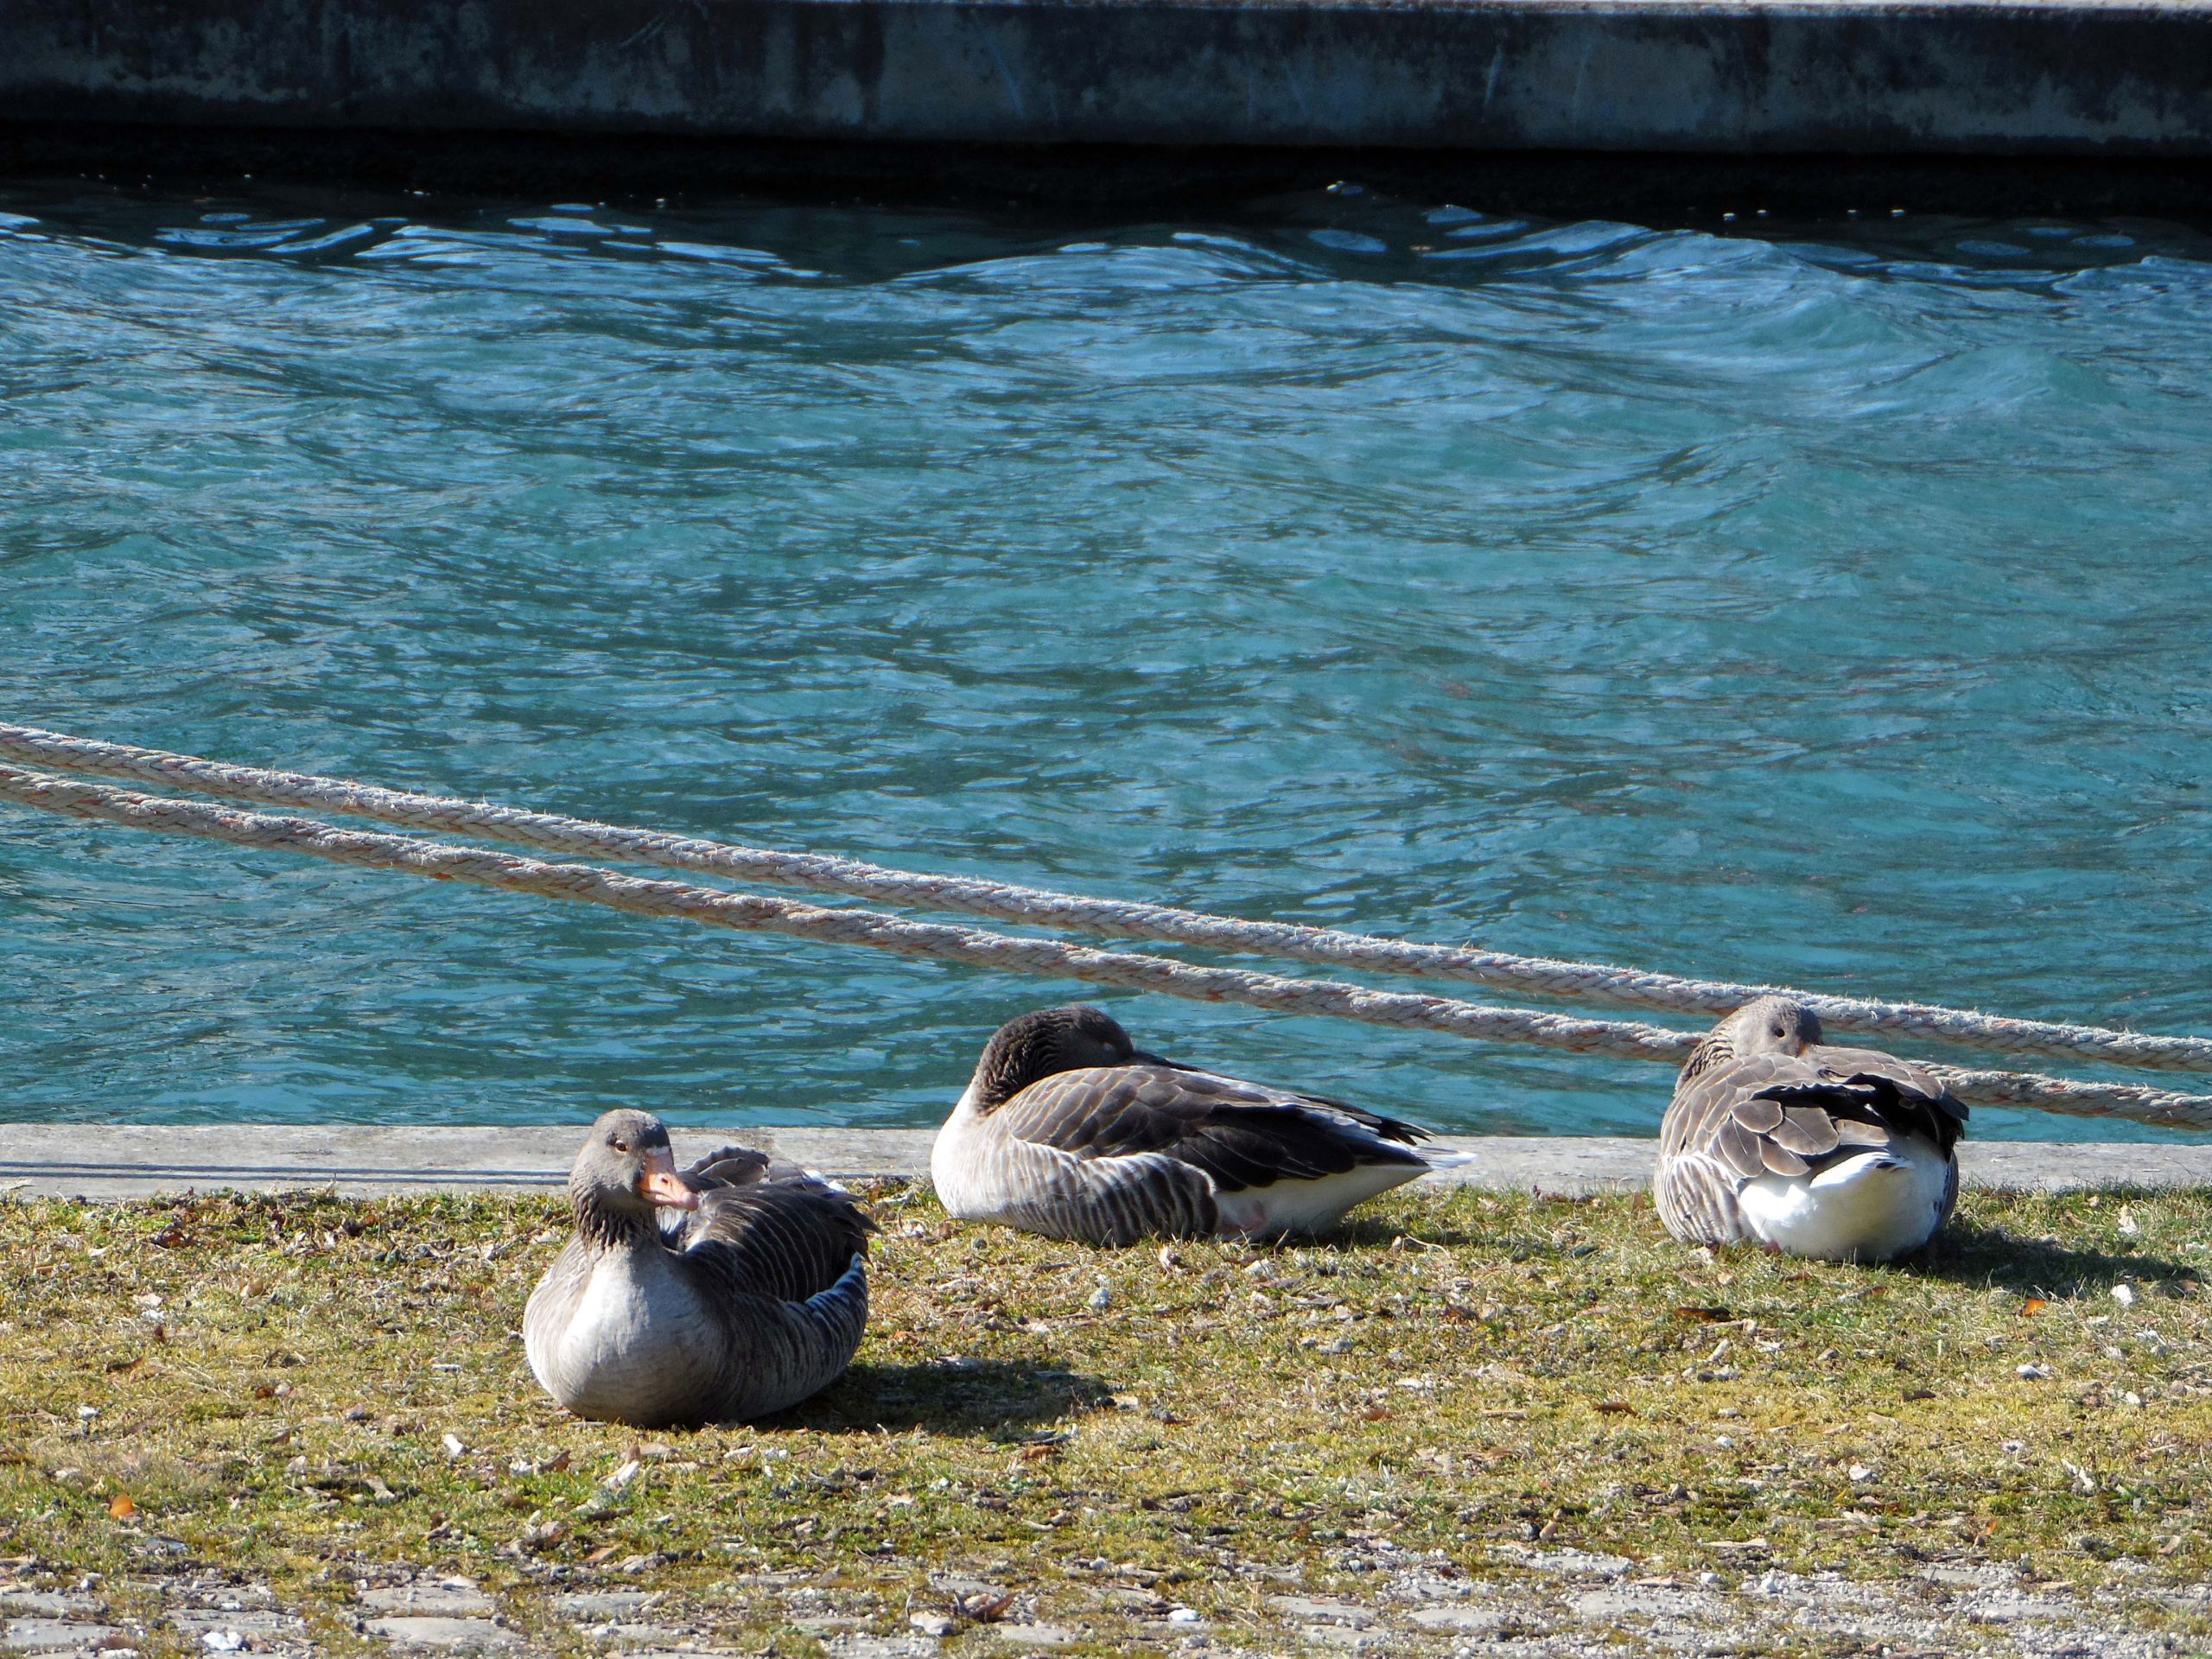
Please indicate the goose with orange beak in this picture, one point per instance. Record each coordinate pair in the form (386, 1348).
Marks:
(721, 1293)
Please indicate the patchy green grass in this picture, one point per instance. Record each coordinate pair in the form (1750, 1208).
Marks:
(312, 1391)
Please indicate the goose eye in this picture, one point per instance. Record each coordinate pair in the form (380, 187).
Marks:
(622, 1145)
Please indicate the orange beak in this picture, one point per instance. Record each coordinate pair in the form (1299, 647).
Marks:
(660, 1183)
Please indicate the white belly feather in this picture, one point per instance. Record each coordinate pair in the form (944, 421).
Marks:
(1870, 1208)
(1307, 1206)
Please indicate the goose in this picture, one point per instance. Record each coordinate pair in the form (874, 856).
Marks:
(1843, 1154)
(732, 1290)
(1068, 1129)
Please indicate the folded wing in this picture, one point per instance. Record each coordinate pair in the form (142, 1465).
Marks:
(1242, 1135)
(784, 1237)
(1787, 1114)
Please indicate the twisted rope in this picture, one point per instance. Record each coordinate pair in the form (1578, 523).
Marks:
(1103, 917)
(997, 952)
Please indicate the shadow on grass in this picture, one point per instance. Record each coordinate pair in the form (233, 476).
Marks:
(1512, 1237)
(1969, 1253)
(1358, 1232)
(990, 1399)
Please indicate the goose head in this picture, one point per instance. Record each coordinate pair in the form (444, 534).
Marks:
(626, 1171)
(1772, 1025)
(1043, 1044)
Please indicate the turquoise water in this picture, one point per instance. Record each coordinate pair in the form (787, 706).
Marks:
(1828, 604)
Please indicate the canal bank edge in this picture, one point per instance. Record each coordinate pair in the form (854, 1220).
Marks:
(112, 1162)
(1614, 76)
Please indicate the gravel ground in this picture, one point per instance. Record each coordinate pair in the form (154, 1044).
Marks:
(1532, 1602)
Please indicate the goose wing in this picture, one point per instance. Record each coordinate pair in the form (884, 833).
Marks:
(728, 1166)
(1789, 1113)
(788, 1252)
(1893, 1092)
(787, 1238)
(1242, 1135)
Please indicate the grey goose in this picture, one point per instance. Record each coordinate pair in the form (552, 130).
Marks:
(1843, 1154)
(732, 1289)
(1068, 1129)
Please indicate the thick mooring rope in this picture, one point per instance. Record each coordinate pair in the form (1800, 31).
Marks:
(1103, 917)
(998, 952)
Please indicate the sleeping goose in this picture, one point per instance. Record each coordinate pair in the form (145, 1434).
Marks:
(729, 1291)
(1068, 1130)
(1839, 1153)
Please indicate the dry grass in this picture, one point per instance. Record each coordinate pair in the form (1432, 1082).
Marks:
(1458, 1371)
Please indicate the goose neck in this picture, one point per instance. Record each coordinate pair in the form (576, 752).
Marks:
(602, 1227)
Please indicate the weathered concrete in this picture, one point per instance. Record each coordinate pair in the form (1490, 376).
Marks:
(1505, 1601)
(117, 1161)
(1750, 77)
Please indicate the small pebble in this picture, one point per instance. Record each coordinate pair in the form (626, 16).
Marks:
(1183, 1616)
(1103, 1297)
(2124, 1294)
(2032, 1372)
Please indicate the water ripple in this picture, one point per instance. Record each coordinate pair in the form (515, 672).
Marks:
(1825, 603)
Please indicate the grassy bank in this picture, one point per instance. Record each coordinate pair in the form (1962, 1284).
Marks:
(314, 1394)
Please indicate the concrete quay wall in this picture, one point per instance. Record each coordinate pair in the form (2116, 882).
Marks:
(1743, 77)
(106, 1162)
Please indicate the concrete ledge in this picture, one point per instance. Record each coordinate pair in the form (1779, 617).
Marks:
(1743, 77)
(108, 1162)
